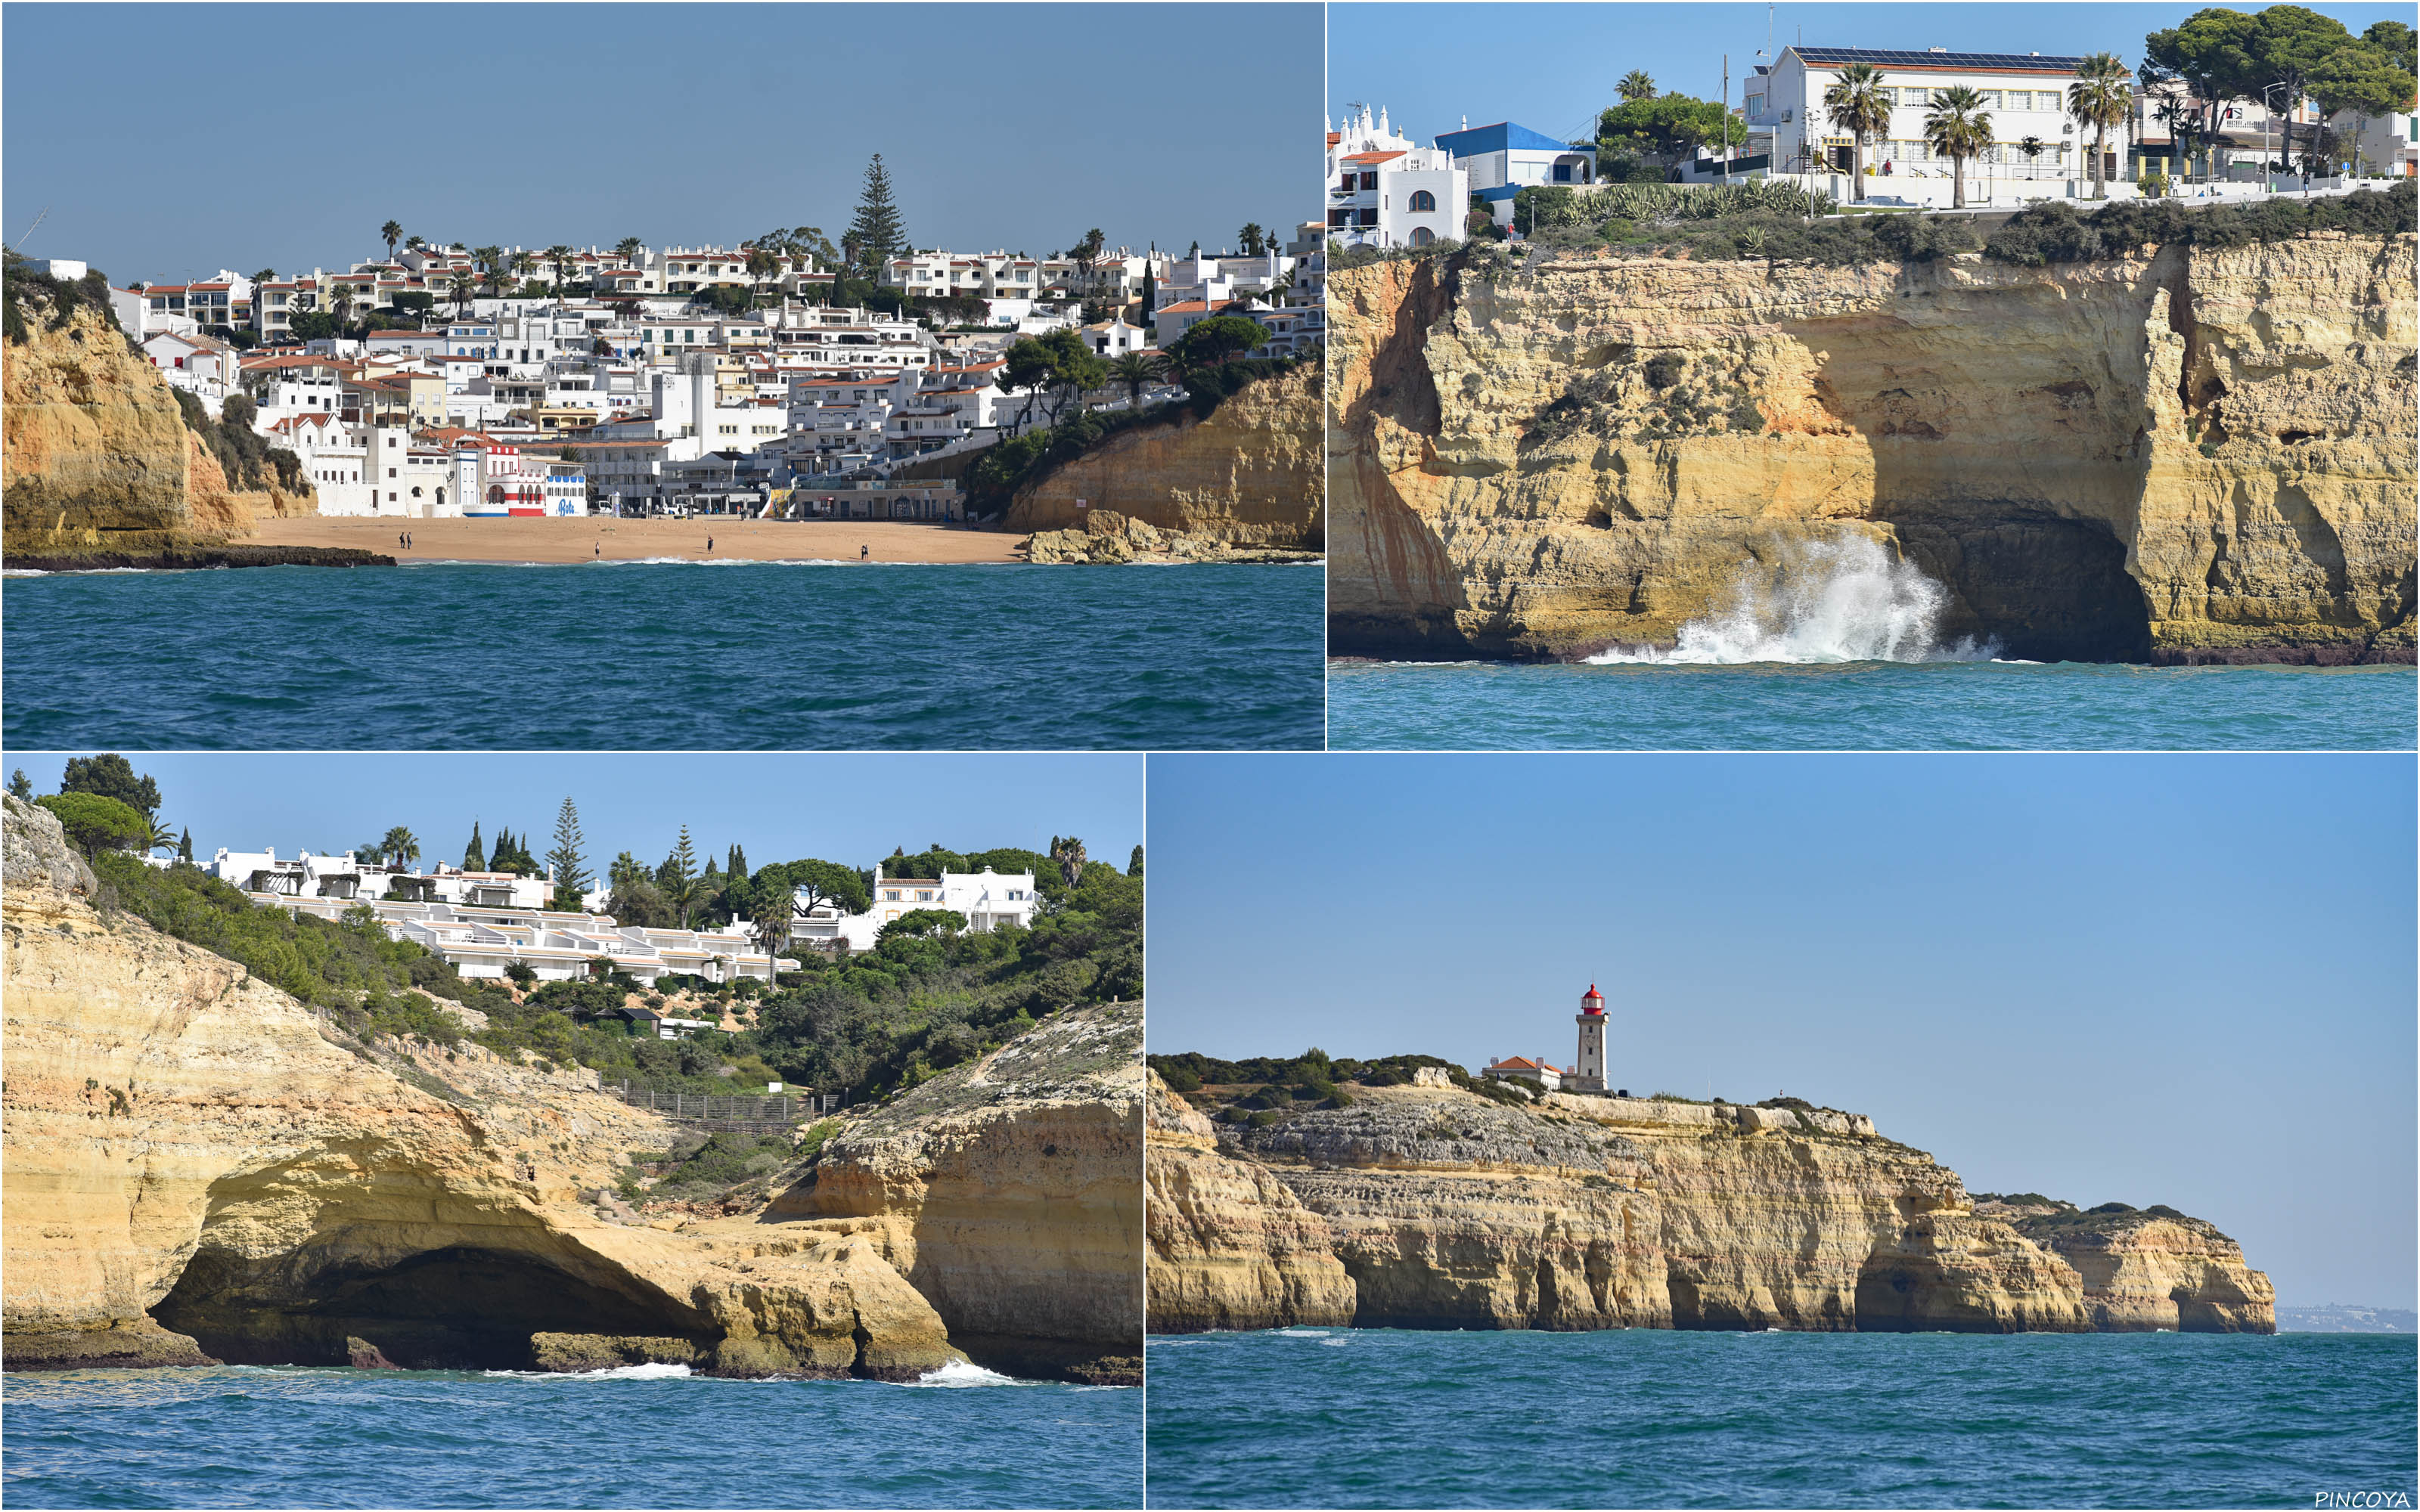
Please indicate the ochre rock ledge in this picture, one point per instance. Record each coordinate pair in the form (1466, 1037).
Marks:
(96, 469)
(2188, 454)
(1247, 476)
(1430, 1206)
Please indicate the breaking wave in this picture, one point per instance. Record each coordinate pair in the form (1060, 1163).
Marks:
(964, 1373)
(1844, 600)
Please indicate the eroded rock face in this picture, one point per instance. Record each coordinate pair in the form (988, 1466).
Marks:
(2157, 1269)
(1446, 1209)
(2188, 455)
(199, 1168)
(1008, 1191)
(1248, 476)
(96, 457)
(1230, 1246)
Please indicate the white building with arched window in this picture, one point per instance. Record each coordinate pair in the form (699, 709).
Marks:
(1385, 190)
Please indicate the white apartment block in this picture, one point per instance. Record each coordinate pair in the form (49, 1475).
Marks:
(1385, 190)
(2024, 93)
(986, 899)
(983, 275)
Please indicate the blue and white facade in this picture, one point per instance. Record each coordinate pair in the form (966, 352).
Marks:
(1502, 160)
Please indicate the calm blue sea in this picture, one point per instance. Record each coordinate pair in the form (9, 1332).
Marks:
(280, 1438)
(1869, 706)
(1385, 1418)
(668, 656)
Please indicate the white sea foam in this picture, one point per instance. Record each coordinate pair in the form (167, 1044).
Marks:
(1843, 599)
(963, 1373)
(1335, 1344)
(620, 1372)
(1303, 1333)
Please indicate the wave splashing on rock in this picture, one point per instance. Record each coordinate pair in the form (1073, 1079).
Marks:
(1844, 600)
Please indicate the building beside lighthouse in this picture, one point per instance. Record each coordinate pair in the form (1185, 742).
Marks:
(1586, 1072)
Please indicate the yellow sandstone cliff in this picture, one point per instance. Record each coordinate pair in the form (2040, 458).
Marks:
(1247, 476)
(2185, 455)
(1446, 1209)
(95, 456)
(1009, 1191)
(201, 1167)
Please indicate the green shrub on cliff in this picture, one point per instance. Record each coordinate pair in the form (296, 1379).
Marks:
(2058, 232)
(22, 289)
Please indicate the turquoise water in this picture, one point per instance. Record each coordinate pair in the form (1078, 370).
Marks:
(1385, 1418)
(237, 1436)
(667, 656)
(1869, 706)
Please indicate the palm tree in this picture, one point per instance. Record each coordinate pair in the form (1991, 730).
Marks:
(1069, 853)
(1250, 238)
(342, 305)
(1134, 370)
(1857, 105)
(1958, 128)
(266, 275)
(491, 260)
(155, 834)
(400, 846)
(559, 256)
(1635, 87)
(415, 243)
(630, 247)
(460, 285)
(771, 917)
(393, 231)
(2100, 98)
(2032, 147)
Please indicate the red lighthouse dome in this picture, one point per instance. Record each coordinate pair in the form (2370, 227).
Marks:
(1592, 1001)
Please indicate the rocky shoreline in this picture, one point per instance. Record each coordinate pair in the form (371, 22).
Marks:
(203, 1170)
(199, 557)
(1428, 1206)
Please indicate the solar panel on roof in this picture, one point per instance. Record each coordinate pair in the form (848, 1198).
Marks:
(1903, 57)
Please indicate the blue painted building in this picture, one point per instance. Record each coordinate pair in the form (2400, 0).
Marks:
(1506, 158)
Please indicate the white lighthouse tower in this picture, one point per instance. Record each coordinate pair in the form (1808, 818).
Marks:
(1587, 1072)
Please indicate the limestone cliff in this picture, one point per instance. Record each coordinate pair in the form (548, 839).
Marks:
(2151, 1268)
(1009, 1192)
(201, 1167)
(1446, 1209)
(1230, 1246)
(2185, 455)
(1248, 476)
(95, 456)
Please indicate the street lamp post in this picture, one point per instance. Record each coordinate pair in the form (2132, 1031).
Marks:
(2266, 116)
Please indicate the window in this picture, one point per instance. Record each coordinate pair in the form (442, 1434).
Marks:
(1369, 178)
(1423, 235)
(1422, 200)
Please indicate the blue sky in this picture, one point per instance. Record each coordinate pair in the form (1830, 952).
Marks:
(1552, 67)
(1002, 125)
(839, 808)
(2170, 979)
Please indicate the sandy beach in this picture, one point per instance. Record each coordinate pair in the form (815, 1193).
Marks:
(605, 539)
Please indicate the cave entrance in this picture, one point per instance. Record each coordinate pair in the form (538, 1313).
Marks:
(448, 1309)
(2046, 587)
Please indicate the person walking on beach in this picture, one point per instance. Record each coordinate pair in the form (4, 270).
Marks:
(865, 553)
(709, 543)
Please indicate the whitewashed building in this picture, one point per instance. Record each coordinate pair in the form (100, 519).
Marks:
(986, 899)
(2024, 93)
(1384, 190)
(1506, 158)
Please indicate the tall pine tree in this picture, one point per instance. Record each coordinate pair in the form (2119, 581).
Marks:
(877, 235)
(474, 855)
(566, 860)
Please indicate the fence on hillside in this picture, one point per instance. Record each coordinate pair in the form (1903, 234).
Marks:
(774, 1114)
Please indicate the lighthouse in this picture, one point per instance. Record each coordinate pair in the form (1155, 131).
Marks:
(1587, 1070)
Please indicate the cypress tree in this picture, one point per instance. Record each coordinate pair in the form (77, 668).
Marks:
(878, 233)
(474, 857)
(185, 846)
